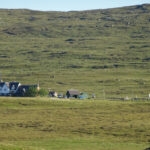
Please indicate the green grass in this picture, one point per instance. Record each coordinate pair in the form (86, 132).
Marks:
(105, 52)
(74, 144)
(45, 124)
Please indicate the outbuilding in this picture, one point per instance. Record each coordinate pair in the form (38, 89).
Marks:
(72, 93)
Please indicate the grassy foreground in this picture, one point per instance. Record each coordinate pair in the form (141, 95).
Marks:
(44, 124)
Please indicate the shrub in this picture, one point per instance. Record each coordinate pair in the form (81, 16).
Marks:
(42, 92)
(31, 92)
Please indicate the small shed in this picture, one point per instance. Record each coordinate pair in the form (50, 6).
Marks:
(72, 93)
(83, 96)
(53, 94)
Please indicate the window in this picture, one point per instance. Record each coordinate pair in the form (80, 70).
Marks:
(13, 87)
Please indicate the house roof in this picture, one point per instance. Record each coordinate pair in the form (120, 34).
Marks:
(25, 87)
(21, 87)
(4, 83)
(13, 85)
(73, 92)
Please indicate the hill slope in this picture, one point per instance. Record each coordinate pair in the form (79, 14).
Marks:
(99, 51)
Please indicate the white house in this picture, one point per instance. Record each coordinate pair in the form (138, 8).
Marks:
(4, 88)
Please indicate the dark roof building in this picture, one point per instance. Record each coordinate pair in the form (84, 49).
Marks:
(24, 88)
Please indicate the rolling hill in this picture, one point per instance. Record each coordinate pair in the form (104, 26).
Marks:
(105, 52)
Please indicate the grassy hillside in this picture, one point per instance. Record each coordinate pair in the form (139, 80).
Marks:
(105, 52)
(44, 124)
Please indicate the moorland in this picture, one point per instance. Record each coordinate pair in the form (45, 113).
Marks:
(105, 52)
